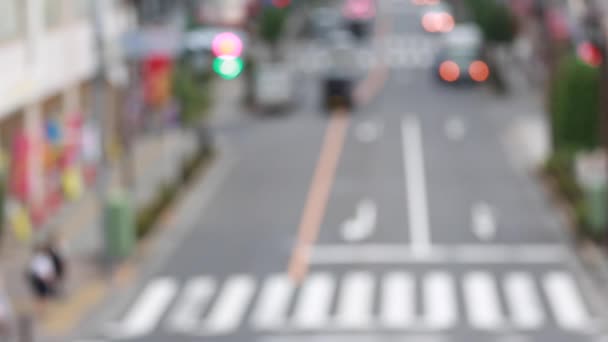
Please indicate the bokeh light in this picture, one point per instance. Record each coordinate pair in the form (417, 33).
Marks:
(227, 44)
(449, 71)
(479, 71)
(228, 67)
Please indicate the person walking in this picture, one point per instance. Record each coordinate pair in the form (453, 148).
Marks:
(42, 277)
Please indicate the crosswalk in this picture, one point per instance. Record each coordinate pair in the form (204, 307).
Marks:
(358, 301)
(407, 51)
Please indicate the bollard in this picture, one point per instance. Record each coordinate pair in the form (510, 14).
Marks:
(119, 227)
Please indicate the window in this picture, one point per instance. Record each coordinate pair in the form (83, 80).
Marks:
(53, 13)
(10, 19)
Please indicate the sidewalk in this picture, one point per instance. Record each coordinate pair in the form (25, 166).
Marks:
(78, 223)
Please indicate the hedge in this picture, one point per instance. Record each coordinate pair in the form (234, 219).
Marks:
(574, 105)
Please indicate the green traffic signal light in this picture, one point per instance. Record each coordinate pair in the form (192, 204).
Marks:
(228, 67)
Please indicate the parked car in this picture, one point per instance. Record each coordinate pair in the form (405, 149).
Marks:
(273, 89)
(460, 60)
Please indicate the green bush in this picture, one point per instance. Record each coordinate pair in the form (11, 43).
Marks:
(496, 20)
(193, 91)
(271, 24)
(574, 105)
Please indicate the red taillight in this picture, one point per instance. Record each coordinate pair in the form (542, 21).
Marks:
(479, 71)
(438, 22)
(449, 71)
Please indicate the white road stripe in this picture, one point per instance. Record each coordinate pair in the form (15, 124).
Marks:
(273, 302)
(398, 300)
(187, 314)
(523, 300)
(440, 301)
(230, 306)
(356, 301)
(413, 160)
(482, 301)
(147, 311)
(314, 302)
(566, 302)
(462, 254)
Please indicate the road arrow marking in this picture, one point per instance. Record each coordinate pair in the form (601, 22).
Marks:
(484, 222)
(362, 225)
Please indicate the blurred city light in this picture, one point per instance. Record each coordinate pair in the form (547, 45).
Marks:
(228, 67)
(479, 71)
(438, 22)
(449, 71)
(590, 54)
(227, 44)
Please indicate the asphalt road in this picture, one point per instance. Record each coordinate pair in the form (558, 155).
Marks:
(404, 220)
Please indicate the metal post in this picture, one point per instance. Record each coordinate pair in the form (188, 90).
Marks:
(99, 109)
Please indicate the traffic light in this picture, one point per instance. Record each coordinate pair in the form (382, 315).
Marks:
(590, 53)
(227, 47)
(228, 67)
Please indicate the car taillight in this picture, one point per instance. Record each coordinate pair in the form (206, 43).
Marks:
(438, 22)
(479, 71)
(449, 71)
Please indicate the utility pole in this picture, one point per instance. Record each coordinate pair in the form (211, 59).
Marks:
(100, 105)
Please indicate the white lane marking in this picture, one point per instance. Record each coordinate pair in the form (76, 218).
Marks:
(362, 225)
(147, 311)
(273, 302)
(413, 160)
(482, 301)
(368, 131)
(355, 305)
(187, 315)
(440, 301)
(398, 300)
(566, 302)
(462, 254)
(230, 306)
(314, 302)
(484, 221)
(524, 301)
(455, 129)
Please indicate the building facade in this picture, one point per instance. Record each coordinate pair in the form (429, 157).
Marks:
(48, 57)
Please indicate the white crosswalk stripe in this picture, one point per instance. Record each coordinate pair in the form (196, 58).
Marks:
(483, 303)
(524, 300)
(518, 301)
(231, 305)
(356, 301)
(147, 311)
(566, 303)
(187, 315)
(273, 302)
(440, 301)
(312, 310)
(398, 300)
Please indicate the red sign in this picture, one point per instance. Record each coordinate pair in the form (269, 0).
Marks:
(157, 79)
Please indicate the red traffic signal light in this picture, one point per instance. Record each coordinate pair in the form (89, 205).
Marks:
(590, 54)
(227, 44)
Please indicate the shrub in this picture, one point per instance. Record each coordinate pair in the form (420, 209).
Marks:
(574, 105)
(496, 20)
(271, 24)
(193, 91)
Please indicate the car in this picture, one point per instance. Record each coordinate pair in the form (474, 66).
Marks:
(437, 18)
(337, 91)
(460, 59)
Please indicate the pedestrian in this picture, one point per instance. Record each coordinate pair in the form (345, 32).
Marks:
(42, 277)
(55, 251)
